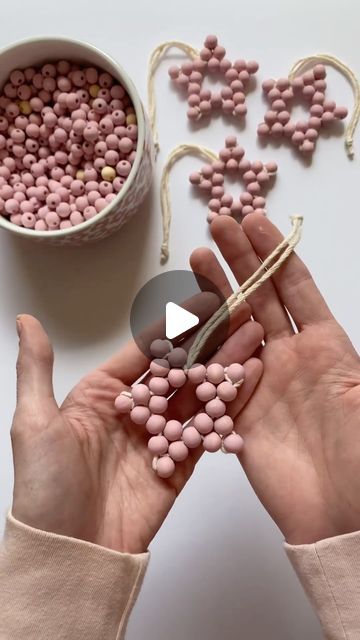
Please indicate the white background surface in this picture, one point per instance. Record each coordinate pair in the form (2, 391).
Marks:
(218, 569)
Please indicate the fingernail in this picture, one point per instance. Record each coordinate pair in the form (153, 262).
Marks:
(18, 325)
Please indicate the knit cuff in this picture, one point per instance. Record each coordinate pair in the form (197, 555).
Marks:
(56, 587)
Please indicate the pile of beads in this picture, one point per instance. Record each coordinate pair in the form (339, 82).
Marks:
(68, 137)
(202, 102)
(232, 160)
(309, 86)
(171, 440)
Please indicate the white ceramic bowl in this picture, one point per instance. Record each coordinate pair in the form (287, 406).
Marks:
(37, 51)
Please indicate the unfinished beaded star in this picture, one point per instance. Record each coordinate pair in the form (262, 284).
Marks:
(256, 175)
(310, 88)
(211, 428)
(203, 102)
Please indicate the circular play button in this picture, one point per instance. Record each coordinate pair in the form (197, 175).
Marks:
(176, 305)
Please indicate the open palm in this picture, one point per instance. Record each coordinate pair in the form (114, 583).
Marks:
(83, 471)
(301, 426)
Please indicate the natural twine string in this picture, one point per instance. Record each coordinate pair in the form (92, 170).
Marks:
(265, 271)
(175, 155)
(154, 62)
(352, 79)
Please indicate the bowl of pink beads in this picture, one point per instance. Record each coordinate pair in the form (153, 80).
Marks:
(76, 153)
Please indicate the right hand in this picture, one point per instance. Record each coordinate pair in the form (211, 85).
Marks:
(301, 427)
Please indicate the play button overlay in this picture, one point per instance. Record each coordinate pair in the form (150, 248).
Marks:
(175, 305)
(178, 320)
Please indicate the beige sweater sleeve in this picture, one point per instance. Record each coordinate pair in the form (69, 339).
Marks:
(329, 572)
(58, 588)
(62, 588)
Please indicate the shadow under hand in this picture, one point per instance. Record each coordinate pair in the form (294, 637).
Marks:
(86, 291)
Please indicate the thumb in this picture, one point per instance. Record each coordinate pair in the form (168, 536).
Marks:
(35, 361)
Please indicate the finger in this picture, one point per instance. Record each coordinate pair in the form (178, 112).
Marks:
(293, 281)
(204, 262)
(35, 361)
(243, 261)
(239, 347)
(253, 372)
(131, 362)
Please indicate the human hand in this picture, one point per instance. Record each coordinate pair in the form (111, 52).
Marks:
(83, 471)
(301, 426)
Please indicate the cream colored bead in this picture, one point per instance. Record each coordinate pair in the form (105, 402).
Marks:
(80, 175)
(94, 90)
(25, 107)
(131, 119)
(108, 174)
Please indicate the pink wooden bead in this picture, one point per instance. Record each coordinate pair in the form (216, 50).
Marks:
(206, 391)
(159, 386)
(191, 437)
(165, 467)
(178, 451)
(215, 408)
(155, 424)
(160, 348)
(203, 423)
(140, 394)
(12, 206)
(52, 220)
(224, 425)
(196, 374)
(159, 367)
(177, 357)
(235, 372)
(215, 371)
(123, 168)
(40, 225)
(123, 404)
(340, 112)
(233, 443)
(212, 442)
(158, 404)
(307, 146)
(177, 378)
(76, 218)
(65, 224)
(89, 212)
(140, 415)
(226, 392)
(158, 445)
(28, 220)
(173, 430)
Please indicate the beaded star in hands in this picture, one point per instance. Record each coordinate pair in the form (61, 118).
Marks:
(215, 386)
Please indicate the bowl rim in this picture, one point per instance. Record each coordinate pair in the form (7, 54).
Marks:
(140, 115)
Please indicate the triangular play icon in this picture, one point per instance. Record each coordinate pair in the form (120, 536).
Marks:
(178, 320)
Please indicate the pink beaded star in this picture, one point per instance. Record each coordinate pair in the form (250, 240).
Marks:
(310, 88)
(211, 428)
(202, 102)
(232, 160)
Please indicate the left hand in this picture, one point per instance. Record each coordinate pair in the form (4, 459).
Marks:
(83, 471)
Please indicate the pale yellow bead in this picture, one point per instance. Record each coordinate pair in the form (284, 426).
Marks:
(25, 107)
(80, 175)
(108, 174)
(94, 90)
(131, 119)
